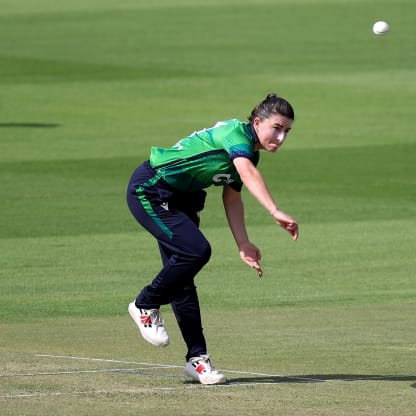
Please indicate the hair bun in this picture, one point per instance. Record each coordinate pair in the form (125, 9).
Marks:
(272, 104)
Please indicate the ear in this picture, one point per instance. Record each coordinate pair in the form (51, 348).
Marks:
(256, 121)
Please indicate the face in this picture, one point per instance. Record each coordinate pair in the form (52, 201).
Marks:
(272, 131)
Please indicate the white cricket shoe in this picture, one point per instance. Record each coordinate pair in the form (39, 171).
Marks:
(200, 369)
(151, 325)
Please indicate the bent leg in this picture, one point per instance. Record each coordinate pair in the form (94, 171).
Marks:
(184, 251)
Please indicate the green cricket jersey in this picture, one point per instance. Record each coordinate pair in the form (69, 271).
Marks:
(205, 157)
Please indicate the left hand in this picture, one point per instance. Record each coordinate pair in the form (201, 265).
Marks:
(250, 254)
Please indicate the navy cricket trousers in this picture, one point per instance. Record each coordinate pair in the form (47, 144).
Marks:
(172, 218)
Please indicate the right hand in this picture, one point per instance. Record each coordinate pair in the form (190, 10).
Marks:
(287, 222)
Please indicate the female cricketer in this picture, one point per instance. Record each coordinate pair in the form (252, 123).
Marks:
(166, 194)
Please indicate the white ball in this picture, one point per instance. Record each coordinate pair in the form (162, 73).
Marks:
(381, 28)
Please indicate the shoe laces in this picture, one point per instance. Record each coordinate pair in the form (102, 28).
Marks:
(205, 360)
(156, 317)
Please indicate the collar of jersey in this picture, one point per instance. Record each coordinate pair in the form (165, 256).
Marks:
(253, 134)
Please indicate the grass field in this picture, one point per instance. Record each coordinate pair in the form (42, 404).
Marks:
(88, 86)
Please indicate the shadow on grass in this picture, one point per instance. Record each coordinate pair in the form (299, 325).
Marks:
(319, 378)
(29, 125)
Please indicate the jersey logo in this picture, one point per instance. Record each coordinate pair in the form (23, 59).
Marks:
(222, 178)
(178, 146)
(165, 206)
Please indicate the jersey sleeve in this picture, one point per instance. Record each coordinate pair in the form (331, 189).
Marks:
(238, 185)
(237, 144)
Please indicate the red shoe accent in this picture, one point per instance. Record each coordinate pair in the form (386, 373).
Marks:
(145, 320)
(200, 369)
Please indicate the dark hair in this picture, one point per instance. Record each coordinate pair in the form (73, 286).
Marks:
(272, 104)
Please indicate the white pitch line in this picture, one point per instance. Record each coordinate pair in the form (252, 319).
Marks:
(57, 373)
(274, 375)
(29, 395)
(74, 357)
(153, 366)
(76, 393)
(177, 366)
(146, 389)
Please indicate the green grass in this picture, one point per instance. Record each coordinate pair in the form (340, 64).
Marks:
(87, 87)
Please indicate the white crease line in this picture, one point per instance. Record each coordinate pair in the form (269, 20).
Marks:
(146, 390)
(29, 395)
(154, 366)
(177, 366)
(72, 357)
(92, 392)
(55, 373)
(274, 375)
